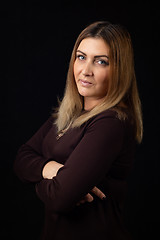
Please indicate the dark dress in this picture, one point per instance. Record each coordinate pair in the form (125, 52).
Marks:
(99, 153)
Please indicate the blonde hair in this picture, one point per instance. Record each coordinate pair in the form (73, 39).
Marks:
(122, 87)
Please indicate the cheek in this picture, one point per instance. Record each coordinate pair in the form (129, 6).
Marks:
(103, 78)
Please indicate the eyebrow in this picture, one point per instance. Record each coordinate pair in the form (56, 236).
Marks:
(97, 56)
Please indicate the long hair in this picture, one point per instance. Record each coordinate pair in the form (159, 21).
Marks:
(122, 87)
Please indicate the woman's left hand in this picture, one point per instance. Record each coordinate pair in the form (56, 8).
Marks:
(89, 198)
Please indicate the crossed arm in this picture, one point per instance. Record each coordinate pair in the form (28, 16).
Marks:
(50, 170)
(61, 187)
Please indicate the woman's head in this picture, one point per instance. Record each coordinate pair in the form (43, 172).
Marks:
(120, 88)
(121, 61)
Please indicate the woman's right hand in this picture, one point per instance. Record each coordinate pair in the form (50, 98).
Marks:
(50, 169)
(89, 198)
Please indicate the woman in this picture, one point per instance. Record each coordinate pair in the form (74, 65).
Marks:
(84, 152)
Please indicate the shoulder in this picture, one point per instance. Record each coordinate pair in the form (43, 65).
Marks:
(112, 114)
(109, 121)
(105, 121)
(49, 122)
(47, 125)
(105, 116)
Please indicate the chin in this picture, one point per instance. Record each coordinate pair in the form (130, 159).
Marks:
(84, 94)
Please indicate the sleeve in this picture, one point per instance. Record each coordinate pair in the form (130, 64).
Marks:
(86, 166)
(30, 161)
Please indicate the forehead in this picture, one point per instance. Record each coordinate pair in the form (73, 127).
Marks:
(95, 46)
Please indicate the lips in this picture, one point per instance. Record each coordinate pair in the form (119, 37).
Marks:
(85, 83)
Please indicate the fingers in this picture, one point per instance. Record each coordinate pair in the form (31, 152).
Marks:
(98, 193)
(87, 198)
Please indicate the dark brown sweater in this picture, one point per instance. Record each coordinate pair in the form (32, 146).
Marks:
(99, 153)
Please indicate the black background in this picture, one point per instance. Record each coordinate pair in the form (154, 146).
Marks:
(38, 38)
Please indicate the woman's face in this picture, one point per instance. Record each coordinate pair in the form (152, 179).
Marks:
(92, 70)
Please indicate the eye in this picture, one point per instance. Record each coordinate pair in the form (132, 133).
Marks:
(81, 57)
(102, 62)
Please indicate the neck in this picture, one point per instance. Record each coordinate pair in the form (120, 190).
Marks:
(90, 103)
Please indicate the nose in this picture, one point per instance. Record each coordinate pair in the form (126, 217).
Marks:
(87, 69)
